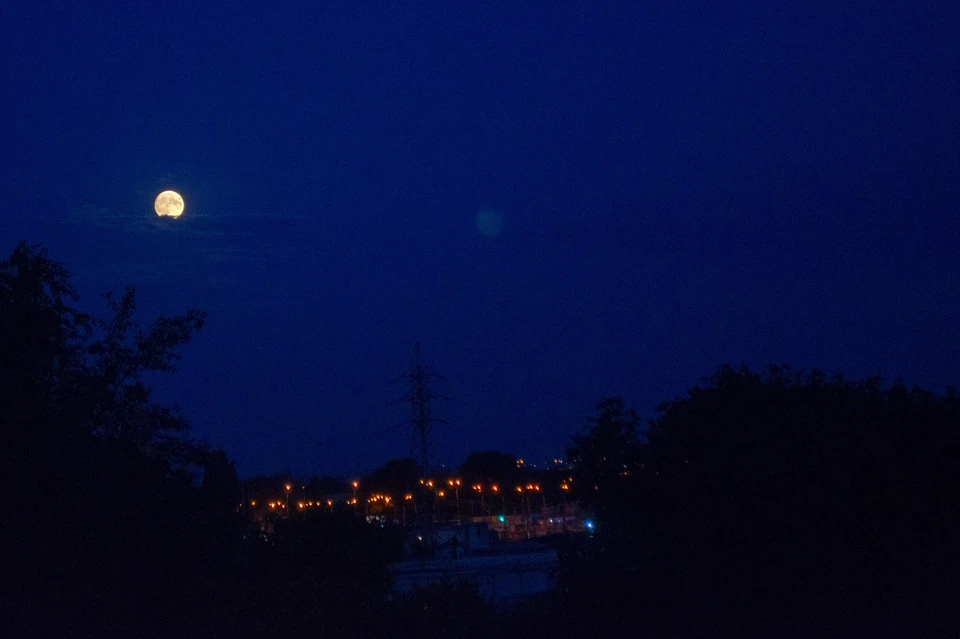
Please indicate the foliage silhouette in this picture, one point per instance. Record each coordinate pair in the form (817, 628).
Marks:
(490, 466)
(121, 523)
(395, 478)
(789, 503)
(781, 503)
(607, 452)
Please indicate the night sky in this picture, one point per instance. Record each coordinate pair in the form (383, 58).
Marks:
(559, 203)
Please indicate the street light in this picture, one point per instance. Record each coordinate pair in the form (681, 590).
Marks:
(288, 487)
(525, 503)
(429, 484)
(543, 498)
(409, 497)
(456, 489)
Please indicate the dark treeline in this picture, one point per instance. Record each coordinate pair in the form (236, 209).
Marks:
(781, 503)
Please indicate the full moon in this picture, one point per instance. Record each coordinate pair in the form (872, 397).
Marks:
(168, 204)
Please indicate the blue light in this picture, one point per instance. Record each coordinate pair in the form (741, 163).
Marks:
(502, 518)
(590, 525)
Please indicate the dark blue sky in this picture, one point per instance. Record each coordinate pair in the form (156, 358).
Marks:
(677, 187)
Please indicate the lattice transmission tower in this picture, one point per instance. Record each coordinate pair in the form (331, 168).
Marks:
(422, 419)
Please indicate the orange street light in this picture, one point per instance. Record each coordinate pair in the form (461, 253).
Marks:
(455, 483)
(479, 489)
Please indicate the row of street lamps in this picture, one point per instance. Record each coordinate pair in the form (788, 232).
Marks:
(453, 482)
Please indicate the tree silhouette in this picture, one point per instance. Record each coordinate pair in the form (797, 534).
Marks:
(73, 374)
(607, 452)
(101, 473)
(490, 466)
(807, 500)
(395, 478)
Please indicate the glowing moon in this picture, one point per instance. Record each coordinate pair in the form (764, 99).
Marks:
(168, 204)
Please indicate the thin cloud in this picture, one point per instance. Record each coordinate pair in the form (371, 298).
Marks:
(191, 223)
(206, 244)
(105, 218)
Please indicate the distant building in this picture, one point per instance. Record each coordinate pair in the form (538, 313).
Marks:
(503, 572)
(450, 540)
